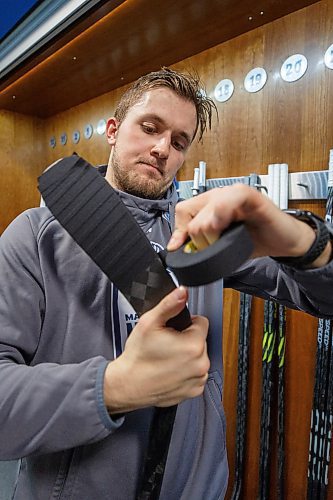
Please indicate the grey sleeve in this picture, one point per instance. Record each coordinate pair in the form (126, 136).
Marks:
(309, 291)
(46, 407)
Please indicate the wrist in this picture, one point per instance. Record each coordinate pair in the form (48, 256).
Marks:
(115, 389)
(314, 247)
(324, 258)
(122, 391)
(306, 236)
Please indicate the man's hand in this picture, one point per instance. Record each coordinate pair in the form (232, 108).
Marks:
(159, 366)
(273, 232)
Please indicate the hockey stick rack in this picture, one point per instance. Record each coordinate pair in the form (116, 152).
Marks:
(302, 185)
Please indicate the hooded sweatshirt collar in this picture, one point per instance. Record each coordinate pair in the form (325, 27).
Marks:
(146, 211)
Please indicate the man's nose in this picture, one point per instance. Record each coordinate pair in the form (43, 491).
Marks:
(161, 148)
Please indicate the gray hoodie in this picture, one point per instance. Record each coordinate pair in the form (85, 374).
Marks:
(61, 322)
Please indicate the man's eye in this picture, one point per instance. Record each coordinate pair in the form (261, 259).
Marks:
(150, 129)
(179, 146)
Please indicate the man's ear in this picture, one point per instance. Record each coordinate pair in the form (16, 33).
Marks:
(111, 130)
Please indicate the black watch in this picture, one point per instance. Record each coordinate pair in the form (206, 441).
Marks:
(323, 235)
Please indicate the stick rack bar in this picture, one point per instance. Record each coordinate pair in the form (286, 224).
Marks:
(302, 185)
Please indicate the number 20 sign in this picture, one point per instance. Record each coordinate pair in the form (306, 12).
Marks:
(329, 57)
(294, 68)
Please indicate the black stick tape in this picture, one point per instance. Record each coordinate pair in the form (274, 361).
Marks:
(216, 261)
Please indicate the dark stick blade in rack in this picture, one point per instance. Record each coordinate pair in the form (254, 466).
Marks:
(328, 328)
(269, 340)
(282, 316)
(281, 358)
(322, 408)
(238, 479)
(243, 369)
(314, 437)
(326, 414)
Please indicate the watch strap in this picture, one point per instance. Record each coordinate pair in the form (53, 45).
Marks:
(317, 247)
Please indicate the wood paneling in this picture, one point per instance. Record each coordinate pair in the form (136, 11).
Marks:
(58, 40)
(136, 37)
(22, 158)
(299, 376)
(95, 149)
(283, 123)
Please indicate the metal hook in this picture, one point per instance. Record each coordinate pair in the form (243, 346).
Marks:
(260, 186)
(302, 185)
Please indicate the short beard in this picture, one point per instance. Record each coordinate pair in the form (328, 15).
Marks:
(132, 183)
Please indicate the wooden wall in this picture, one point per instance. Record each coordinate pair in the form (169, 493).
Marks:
(289, 123)
(282, 123)
(22, 156)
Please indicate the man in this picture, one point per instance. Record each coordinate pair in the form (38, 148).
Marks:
(76, 392)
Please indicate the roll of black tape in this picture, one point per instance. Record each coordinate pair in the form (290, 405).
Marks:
(216, 261)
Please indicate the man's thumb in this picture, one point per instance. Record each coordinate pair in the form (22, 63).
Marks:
(170, 305)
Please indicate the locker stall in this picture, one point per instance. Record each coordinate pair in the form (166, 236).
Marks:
(65, 91)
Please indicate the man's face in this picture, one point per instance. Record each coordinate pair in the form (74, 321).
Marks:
(150, 144)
